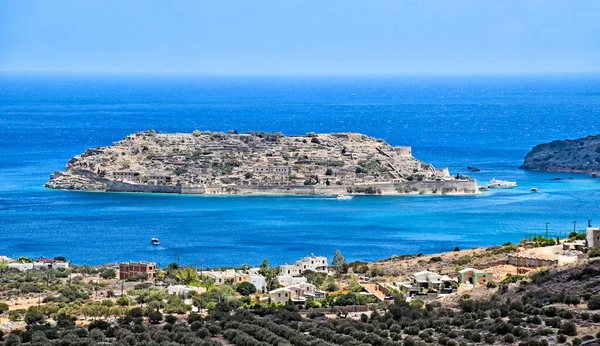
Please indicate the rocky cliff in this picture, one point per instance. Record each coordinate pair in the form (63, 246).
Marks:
(579, 156)
(259, 162)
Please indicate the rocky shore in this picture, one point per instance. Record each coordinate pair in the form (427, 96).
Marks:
(573, 156)
(255, 163)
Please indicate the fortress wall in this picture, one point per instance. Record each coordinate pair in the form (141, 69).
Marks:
(410, 187)
(118, 186)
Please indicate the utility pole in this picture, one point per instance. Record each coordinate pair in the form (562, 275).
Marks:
(547, 229)
(201, 267)
(178, 258)
(589, 223)
(122, 282)
(575, 226)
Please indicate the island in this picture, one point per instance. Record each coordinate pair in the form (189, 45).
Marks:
(570, 156)
(218, 163)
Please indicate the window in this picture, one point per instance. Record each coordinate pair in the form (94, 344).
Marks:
(279, 294)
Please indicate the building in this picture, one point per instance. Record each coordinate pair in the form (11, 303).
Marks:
(280, 296)
(471, 276)
(288, 280)
(49, 263)
(313, 263)
(126, 175)
(403, 151)
(279, 170)
(593, 237)
(184, 290)
(426, 280)
(135, 269)
(20, 266)
(229, 275)
(258, 281)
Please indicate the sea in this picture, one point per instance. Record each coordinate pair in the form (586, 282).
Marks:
(450, 121)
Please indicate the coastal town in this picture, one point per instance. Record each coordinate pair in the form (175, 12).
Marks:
(205, 162)
(55, 293)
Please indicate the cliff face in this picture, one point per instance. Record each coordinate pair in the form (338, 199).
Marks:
(219, 163)
(580, 156)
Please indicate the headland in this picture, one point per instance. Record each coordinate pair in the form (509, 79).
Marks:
(580, 155)
(217, 163)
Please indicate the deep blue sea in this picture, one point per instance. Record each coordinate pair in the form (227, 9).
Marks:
(490, 122)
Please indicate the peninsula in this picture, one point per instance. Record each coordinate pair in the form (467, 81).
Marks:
(256, 163)
(574, 156)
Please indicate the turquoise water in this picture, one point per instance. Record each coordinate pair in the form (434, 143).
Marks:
(486, 122)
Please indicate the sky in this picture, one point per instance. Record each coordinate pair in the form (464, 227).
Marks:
(300, 37)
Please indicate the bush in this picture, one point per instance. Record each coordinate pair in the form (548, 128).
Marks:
(170, 319)
(509, 338)
(594, 252)
(3, 308)
(568, 328)
(246, 288)
(594, 302)
(561, 338)
(435, 259)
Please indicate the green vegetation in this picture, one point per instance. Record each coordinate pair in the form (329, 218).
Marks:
(339, 263)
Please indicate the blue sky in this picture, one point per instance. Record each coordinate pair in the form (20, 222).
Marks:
(300, 37)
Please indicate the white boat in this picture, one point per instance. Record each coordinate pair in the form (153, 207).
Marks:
(483, 188)
(501, 184)
(344, 197)
(154, 241)
(534, 189)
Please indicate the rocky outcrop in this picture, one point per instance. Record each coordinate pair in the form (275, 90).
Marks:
(255, 163)
(577, 156)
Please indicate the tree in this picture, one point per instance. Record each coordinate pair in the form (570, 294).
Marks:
(186, 275)
(34, 315)
(3, 308)
(594, 302)
(155, 317)
(246, 288)
(339, 263)
(124, 301)
(108, 273)
(270, 275)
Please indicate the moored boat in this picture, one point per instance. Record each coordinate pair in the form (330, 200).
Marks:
(501, 184)
(344, 197)
(154, 241)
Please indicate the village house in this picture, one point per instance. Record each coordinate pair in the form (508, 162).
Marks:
(39, 264)
(225, 276)
(426, 280)
(313, 263)
(288, 280)
(184, 290)
(258, 281)
(593, 237)
(49, 263)
(471, 276)
(280, 296)
(135, 269)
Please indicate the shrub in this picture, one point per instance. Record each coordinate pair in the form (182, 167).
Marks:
(568, 328)
(435, 259)
(561, 338)
(594, 302)
(3, 308)
(509, 338)
(594, 252)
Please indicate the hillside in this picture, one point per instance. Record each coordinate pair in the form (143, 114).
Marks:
(578, 156)
(255, 163)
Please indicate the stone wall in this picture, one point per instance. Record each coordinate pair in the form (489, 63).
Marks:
(117, 186)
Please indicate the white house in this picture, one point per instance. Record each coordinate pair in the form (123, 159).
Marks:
(20, 266)
(49, 263)
(258, 281)
(288, 280)
(185, 290)
(312, 262)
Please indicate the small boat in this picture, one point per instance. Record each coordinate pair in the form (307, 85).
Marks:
(344, 197)
(501, 184)
(483, 188)
(154, 241)
(534, 189)
(473, 169)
